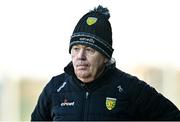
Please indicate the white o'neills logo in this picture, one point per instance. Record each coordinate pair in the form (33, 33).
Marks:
(86, 39)
(62, 86)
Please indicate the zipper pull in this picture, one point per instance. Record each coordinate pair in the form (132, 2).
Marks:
(87, 94)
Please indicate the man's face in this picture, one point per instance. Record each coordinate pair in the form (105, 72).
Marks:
(88, 63)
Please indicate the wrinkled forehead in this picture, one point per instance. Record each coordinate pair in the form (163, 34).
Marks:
(82, 46)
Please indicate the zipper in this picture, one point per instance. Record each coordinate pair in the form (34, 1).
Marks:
(87, 94)
(86, 106)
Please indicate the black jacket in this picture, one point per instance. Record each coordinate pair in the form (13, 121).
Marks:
(115, 95)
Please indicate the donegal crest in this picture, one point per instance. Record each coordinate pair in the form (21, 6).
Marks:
(110, 103)
(91, 20)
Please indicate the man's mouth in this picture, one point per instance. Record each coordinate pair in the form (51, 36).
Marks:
(82, 66)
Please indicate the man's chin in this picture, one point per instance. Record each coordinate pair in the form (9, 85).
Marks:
(82, 75)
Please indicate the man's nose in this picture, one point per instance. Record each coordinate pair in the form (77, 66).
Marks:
(82, 54)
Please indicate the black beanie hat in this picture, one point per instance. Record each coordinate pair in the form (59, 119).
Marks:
(94, 30)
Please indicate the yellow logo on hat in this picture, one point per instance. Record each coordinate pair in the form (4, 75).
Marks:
(91, 20)
(110, 103)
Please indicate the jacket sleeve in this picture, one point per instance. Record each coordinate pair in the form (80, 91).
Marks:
(148, 104)
(42, 111)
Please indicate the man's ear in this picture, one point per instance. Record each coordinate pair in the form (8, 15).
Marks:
(106, 60)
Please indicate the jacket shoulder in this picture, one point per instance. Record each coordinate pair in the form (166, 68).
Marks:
(58, 78)
(55, 81)
(124, 77)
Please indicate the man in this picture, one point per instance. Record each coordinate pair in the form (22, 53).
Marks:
(92, 88)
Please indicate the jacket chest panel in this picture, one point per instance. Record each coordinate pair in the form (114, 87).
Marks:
(66, 106)
(78, 105)
(108, 106)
